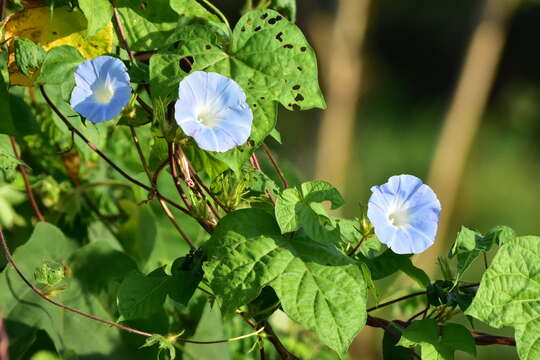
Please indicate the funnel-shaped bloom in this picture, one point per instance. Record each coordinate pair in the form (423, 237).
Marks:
(405, 214)
(212, 109)
(101, 90)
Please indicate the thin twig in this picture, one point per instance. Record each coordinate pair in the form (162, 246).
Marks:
(411, 296)
(27, 186)
(176, 178)
(105, 157)
(355, 249)
(481, 339)
(280, 348)
(10, 259)
(121, 33)
(207, 189)
(257, 166)
(4, 341)
(219, 13)
(141, 154)
(145, 106)
(164, 206)
(418, 314)
(175, 224)
(280, 173)
(159, 170)
(396, 300)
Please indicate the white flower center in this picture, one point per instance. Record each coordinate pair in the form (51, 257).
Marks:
(103, 92)
(399, 217)
(208, 114)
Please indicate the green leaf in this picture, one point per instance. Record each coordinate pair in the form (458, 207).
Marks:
(28, 55)
(318, 286)
(67, 330)
(187, 273)
(438, 342)
(138, 234)
(270, 59)
(100, 269)
(17, 119)
(389, 262)
(59, 65)
(141, 296)
(97, 12)
(509, 293)
(192, 8)
(8, 162)
(286, 7)
(501, 235)
(390, 349)
(469, 244)
(150, 22)
(294, 210)
(164, 72)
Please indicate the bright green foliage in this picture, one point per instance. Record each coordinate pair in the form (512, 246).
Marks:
(247, 253)
(49, 273)
(191, 8)
(97, 12)
(509, 294)
(163, 68)
(59, 65)
(28, 55)
(294, 210)
(271, 60)
(151, 22)
(438, 343)
(469, 244)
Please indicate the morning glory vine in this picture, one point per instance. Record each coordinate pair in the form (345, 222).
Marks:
(154, 213)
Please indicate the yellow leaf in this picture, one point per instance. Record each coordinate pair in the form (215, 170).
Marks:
(63, 27)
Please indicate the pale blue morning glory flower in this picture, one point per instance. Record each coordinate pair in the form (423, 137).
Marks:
(405, 214)
(212, 109)
(101, 90)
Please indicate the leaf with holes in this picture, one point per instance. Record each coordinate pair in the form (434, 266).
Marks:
(318, 286)
(286, 7)
(270, 59)
(509, 293)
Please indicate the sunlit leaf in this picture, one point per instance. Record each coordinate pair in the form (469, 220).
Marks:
(62, 27)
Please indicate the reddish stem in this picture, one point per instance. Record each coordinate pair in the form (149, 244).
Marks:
(27, 186)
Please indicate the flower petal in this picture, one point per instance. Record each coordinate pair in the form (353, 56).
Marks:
(212, 109)
(90, 75)
(404, 197)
